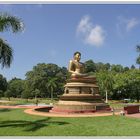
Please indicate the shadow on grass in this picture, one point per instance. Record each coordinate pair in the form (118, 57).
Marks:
(5, 110)
(30, 125)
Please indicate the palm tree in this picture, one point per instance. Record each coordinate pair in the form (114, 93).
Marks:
(138, 58)
(51, 85)
(8, 22)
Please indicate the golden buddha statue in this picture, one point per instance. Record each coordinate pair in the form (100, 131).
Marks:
(76, 68)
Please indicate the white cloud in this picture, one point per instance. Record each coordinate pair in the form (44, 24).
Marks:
(126, 24)
(131, 24)
(96, 36)
(91, 34)
(84, 25)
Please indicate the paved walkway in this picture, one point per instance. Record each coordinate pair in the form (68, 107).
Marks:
(136, 115)
(30, 109)
(17, 106)
(4, 101)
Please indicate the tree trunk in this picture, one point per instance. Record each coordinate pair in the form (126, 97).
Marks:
(51, 95)
(138, 98)
(36, 101)
(106, 97)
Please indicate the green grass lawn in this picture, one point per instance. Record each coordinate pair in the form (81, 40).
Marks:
(20, 101)
(14, 122)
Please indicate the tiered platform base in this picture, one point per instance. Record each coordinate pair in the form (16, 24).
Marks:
(81, 96)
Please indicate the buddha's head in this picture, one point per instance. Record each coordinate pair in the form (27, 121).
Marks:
(77, 56)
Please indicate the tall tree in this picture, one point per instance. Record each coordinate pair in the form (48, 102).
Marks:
(41, 74)
(121, 89)
(8, 22)
(138, 58)
(132, 67)
(90, 66)
(52, 84)
(107, 66)
(134, 83)
(117, 68)
(3, 85)
(105, 81)
(16, 87)
(100, 66)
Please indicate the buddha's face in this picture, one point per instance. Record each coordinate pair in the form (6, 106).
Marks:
(77, 57)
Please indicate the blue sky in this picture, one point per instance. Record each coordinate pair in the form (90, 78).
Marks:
(53, 32)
